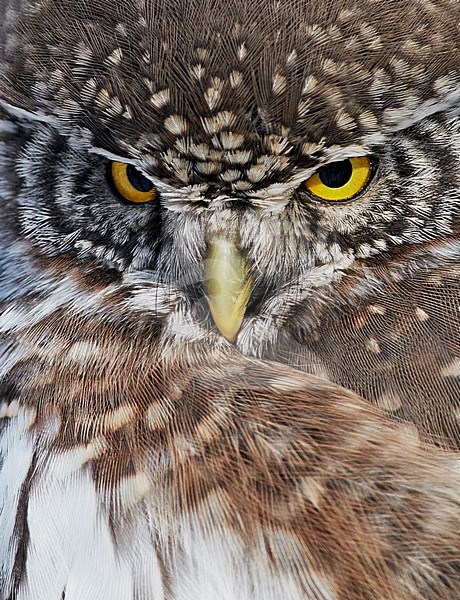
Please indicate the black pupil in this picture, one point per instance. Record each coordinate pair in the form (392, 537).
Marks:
(137, 180)
(336, 174)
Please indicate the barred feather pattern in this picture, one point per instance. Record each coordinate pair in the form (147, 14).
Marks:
(142, 456)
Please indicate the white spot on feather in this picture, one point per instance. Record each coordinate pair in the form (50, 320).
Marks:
(158, 414)
(422, 315)
(330, 67)
(236, 79)
(121, 28)
(9, 409)
(373, 346)
(345, 121)
(279, 84)
(128, 114)
(219, 122)
(110, 104)
(291, 58)
(309, 84)
(238, 158)
(212, 97)
(377, 309)
(242, 52)
(198, 71)
(256, 173)
(389, 401)
(202, 54)
(115, 419)
(230, 140)
(89, 89)
(452, 369)
(81, 352)
(213, 93)
(116, 57)
(312, 489)
(161, 98)
(83, 53)
(175, 124)
(131, 490)
(208, 168)
(74, 459)
(230, 175)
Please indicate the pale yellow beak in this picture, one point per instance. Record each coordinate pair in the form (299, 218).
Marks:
(228, 285)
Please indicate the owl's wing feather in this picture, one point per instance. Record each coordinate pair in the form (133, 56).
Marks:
(311, 463)
(233, 465)
(396, 343)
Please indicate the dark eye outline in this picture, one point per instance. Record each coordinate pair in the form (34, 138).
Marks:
(364, 183)
(122, 177)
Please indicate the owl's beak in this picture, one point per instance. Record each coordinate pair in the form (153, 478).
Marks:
(228, 285)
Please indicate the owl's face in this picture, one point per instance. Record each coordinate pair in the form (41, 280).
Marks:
(162, 130)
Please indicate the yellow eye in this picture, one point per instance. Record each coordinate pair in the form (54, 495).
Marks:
(340, 181)
(129, 184)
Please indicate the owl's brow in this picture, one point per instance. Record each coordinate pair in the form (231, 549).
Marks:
(114, 157)
(331, 154)
(39, 117)
(25, 115)
(403, 118)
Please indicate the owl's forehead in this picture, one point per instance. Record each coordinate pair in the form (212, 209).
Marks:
(250, 79)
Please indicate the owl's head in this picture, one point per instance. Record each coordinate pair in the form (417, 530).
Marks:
(247, 157)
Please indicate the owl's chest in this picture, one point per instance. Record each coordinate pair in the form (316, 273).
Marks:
(63, 538)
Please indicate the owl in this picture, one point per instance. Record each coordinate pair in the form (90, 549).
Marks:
(229, 300)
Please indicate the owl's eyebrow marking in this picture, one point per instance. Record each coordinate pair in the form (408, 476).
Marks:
(112, 156)
(161, 185)
(336, 153)
(25, 115)
(398, 119)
